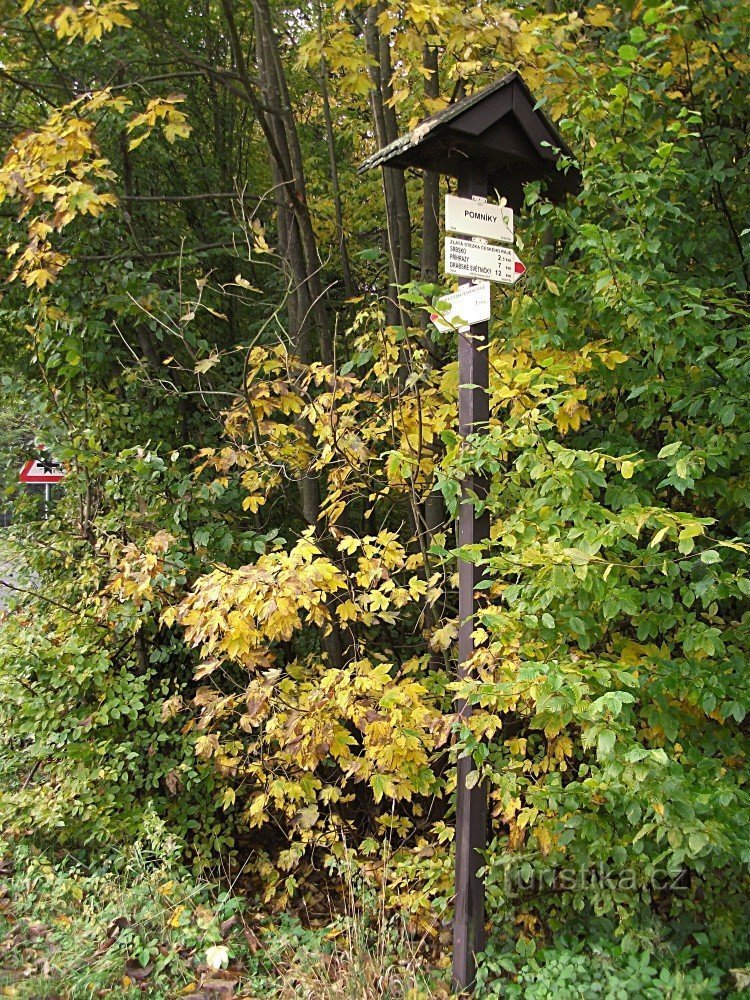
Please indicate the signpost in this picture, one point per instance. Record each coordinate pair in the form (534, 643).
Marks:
(495, 139)
(470, 304)
(469, 936)
(46, 471)
(475, 217)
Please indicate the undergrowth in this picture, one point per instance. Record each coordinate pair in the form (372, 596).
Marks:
(137, 925)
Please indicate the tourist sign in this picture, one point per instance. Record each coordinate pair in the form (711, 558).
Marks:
(478, 218)
(459, 310)
(467, 259)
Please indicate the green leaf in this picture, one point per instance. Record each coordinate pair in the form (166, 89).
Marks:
(605, 743)
(697, 841)
(472, 779)
(628, 52)
(670, 449)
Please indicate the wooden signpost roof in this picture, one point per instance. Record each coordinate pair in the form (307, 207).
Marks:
(497, 128)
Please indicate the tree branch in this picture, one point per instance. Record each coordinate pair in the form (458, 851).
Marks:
(182, 252)
(198, 197)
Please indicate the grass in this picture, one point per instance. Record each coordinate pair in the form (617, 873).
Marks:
(370, 959)
(140, 927)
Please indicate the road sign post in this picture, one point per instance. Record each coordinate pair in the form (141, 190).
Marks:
(46, 472)
(473, 528)
(495, 139)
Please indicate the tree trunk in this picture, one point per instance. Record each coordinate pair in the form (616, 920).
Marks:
(349, 287)
(398, 219)
(275, 116)
(280, 105)
(430, 188)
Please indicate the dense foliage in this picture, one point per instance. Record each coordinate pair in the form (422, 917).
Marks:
(240, 621)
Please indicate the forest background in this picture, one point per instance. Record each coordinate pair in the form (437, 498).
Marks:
(228, 677)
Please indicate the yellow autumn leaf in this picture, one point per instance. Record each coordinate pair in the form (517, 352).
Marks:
(205, 364)
(544, 839)
(253, 502)
(443, 637)
(349, 544)
(347, 612)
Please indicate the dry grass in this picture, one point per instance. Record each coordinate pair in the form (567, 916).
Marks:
(365, 964)
(373, 956)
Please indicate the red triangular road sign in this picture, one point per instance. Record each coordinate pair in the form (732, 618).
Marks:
(35, 471)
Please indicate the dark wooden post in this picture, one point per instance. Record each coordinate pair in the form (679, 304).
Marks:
(498, 139)
(471, 803)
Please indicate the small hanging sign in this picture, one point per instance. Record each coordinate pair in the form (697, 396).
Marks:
(461, 309)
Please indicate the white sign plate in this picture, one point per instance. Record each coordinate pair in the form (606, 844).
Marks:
(482, 260)
(458, 311)
(478, 218)
(41, 471)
